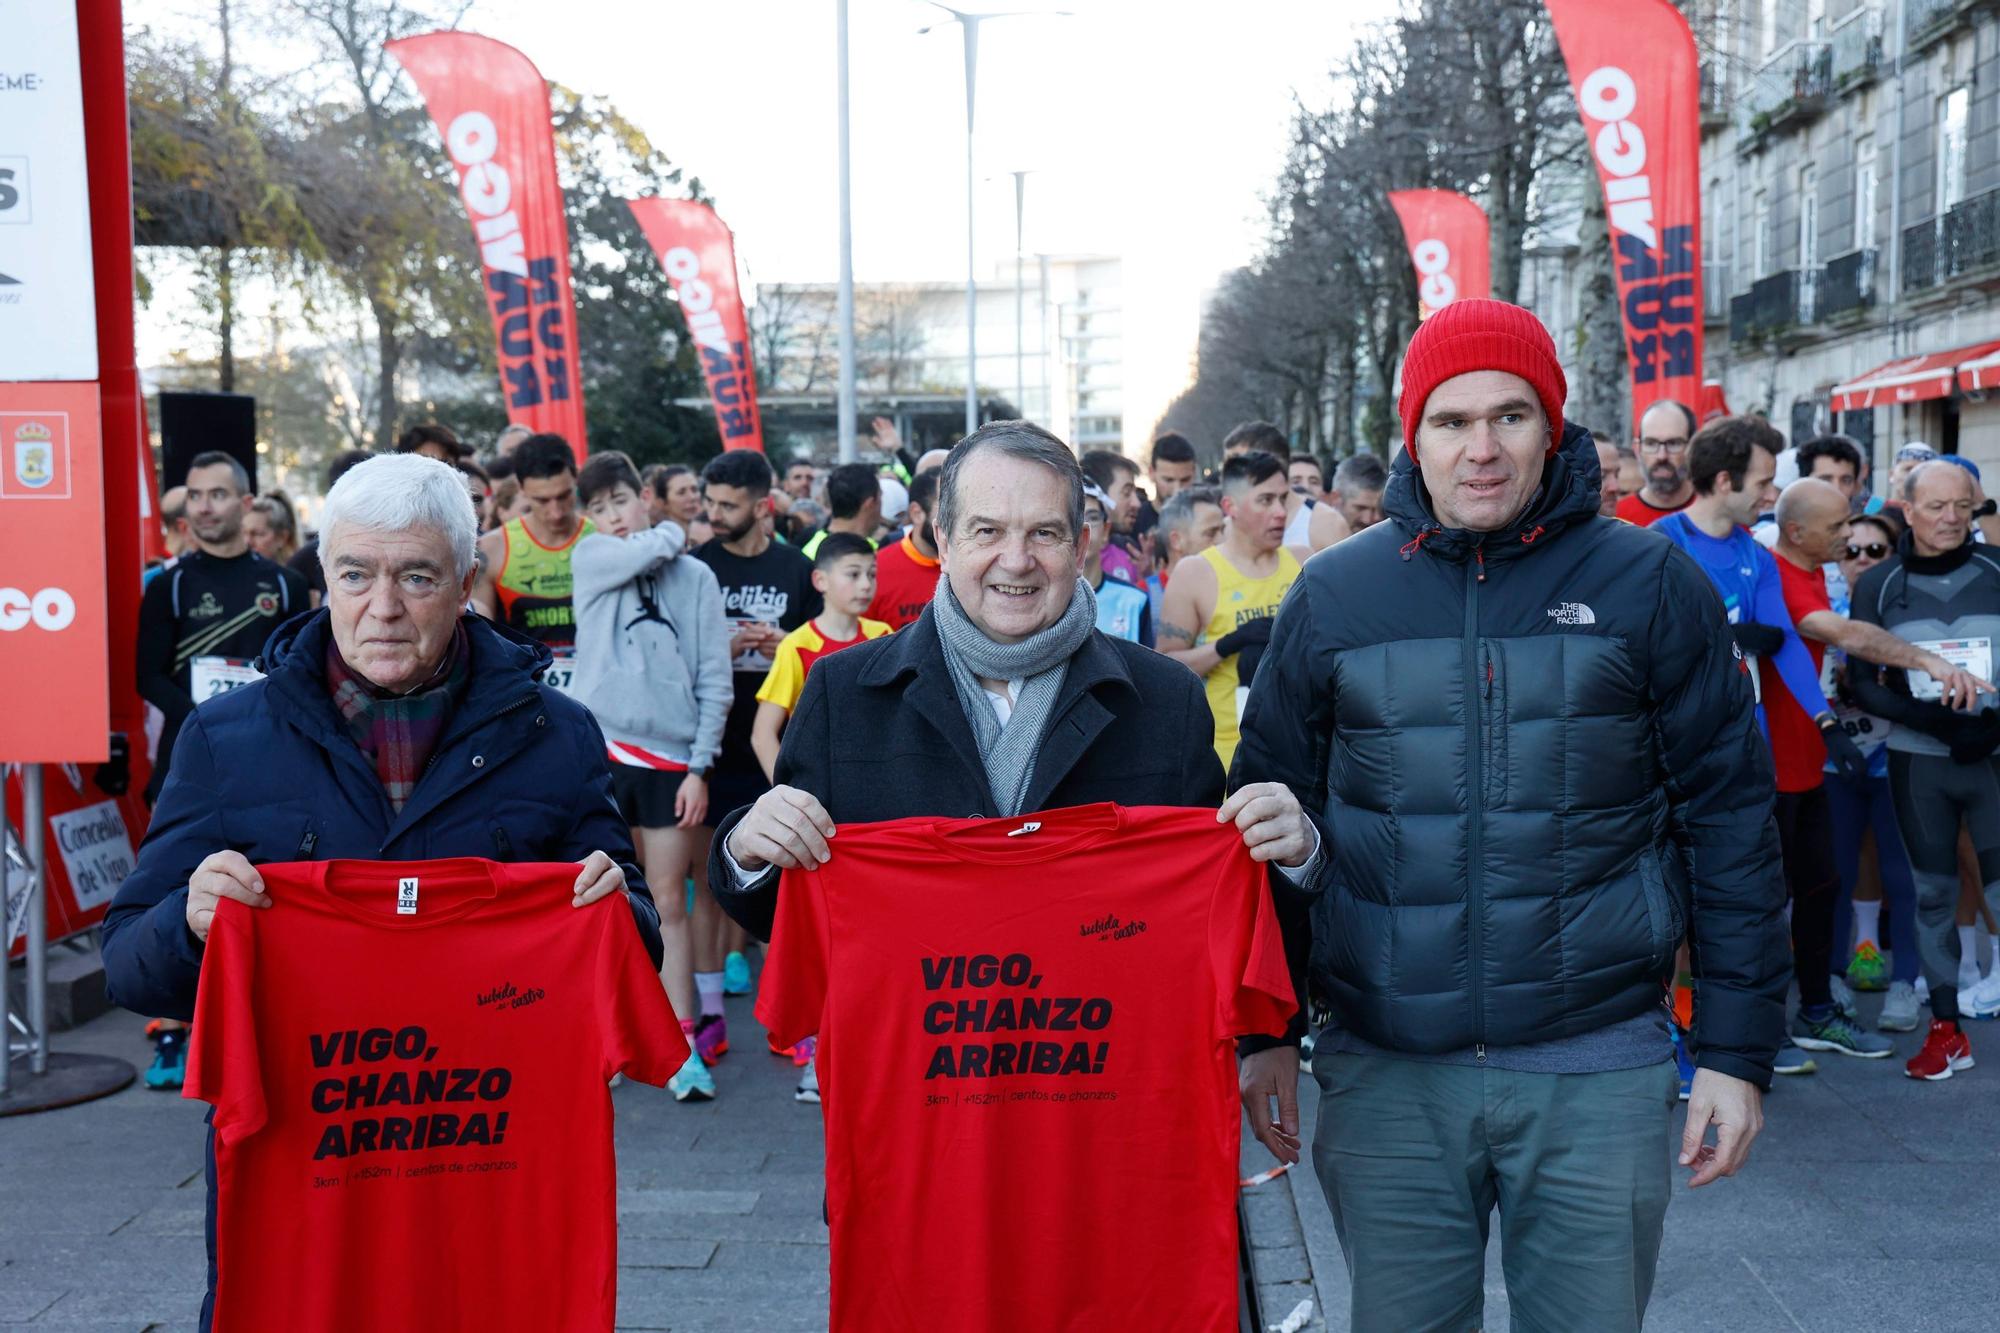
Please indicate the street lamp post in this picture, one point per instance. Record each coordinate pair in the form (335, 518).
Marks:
(969, 25)
(1020, 354)
(849, 408)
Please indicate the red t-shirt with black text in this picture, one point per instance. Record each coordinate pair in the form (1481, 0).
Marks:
(1798, 751)
(1026, 1060)
(409, 1065)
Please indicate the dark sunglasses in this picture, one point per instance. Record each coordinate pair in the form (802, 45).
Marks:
(1873, 550)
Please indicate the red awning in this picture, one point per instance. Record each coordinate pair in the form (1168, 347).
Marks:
(1915, 378)
(1980, 372)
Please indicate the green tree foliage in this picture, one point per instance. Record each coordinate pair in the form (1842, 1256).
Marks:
(331, 179)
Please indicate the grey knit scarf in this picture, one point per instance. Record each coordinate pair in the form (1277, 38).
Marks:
(1038, 662)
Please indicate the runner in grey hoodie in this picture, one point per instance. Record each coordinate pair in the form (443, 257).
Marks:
(652, 663)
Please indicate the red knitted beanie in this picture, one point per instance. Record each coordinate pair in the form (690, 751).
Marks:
(1470, 335)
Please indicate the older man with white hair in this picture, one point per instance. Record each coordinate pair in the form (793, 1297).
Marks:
(391, 725)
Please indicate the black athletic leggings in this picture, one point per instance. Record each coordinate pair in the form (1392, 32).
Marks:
(1933, 795)
(1805, 839)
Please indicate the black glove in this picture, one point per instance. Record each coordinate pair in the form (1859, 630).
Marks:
(1757, 640)
(1975, 741)
(1247, 662)
(1846, 758)
(1256, 631)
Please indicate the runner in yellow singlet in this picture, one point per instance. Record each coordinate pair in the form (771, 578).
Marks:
(524, 580)
(1220, 602)
(533, 585)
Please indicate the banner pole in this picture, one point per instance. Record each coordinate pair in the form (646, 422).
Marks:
(36, 844)
(970, 22)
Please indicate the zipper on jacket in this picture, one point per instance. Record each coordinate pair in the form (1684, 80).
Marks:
(503, 846)
(1475, 798)
(1479, 1052)
(306, 845)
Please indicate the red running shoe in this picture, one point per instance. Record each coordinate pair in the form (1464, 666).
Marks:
(1945, 1053)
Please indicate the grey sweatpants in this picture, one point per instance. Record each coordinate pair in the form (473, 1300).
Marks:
(1414, 1157)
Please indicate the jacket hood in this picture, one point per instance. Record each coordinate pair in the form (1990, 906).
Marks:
(1567, 497)
(294, 657)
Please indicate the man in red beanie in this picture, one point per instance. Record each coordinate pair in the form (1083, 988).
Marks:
(1537, 763)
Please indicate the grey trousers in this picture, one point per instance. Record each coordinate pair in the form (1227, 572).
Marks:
(1414, 1158)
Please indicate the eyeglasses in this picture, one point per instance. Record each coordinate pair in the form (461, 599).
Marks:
(1873, 550)
(1663, 446)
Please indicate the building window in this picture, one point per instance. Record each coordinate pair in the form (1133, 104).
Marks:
(1809, 217)
(1952, 109)
(1865, 185)
(1760, 235)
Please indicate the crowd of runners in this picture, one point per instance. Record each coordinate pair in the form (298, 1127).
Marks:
(1866, 607)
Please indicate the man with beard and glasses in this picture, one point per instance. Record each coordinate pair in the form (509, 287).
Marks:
(1664, 432)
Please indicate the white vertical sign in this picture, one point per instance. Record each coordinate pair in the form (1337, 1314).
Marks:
(48, 321)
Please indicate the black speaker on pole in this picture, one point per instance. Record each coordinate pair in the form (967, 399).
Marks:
(194, 423)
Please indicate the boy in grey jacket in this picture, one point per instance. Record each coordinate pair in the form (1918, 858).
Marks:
(652, 663)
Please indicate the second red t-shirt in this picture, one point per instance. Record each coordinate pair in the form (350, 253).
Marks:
(1026, 1058)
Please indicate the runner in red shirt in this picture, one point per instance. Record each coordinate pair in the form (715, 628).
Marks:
(408, 1063)
(1026, 1049)
(906, 572)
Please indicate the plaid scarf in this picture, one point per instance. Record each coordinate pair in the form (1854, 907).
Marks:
(398, 731)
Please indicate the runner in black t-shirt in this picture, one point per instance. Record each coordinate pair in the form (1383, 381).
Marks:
(215, 607)
(767, 592)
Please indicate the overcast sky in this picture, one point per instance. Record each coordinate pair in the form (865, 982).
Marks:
(1153, 126)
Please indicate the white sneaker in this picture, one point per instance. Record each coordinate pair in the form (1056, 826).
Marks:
(1982, 1000)
(808, 1089)
(1899, 1008)
(1923, 989)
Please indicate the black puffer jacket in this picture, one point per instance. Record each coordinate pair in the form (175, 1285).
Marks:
(1537, 759)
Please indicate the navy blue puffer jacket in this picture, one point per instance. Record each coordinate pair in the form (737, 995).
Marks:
(269, 770)
(1538, 765)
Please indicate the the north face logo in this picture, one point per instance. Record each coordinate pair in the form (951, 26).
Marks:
(1572, 613)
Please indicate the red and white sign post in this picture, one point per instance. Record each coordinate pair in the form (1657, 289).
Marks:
(71, 459)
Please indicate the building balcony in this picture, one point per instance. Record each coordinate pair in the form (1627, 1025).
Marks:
(1790, 89)
(1782, 306)
(1963, 243)
(1849, 285)
(1857, 49)
(1928, 21)
(1714, 97)
(1742, 318)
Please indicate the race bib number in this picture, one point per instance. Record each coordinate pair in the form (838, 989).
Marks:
(561, 675)
(1974, 655)
(209, 677)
